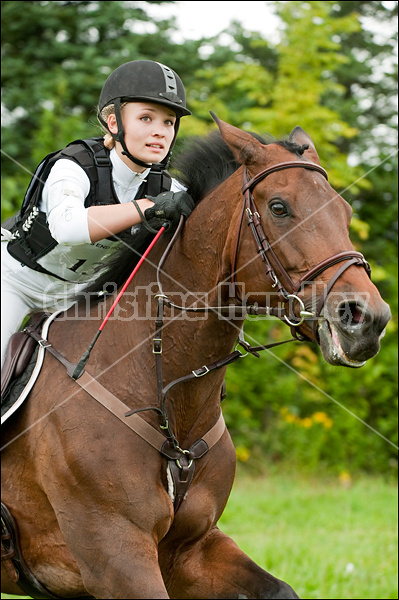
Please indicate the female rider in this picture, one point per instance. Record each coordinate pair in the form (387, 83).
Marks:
(140, 107)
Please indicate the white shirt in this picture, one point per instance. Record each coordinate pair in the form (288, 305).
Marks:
(65, 191)
(76, 258)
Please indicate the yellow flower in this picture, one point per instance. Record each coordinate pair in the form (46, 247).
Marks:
(323, 419)
(287, 415)
(345, 479)
(242, 453)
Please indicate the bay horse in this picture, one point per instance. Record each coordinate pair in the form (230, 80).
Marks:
(91, 498)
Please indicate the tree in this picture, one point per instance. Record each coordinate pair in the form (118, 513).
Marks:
(271, 90)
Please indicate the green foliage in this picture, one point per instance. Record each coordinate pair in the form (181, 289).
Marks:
(329, 74)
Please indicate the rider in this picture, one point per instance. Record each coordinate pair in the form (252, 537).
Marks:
(140, 107)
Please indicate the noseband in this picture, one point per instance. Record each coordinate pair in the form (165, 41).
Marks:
(280, 280)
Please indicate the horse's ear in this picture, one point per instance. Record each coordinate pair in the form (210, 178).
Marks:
(245, 147)
(300, 137)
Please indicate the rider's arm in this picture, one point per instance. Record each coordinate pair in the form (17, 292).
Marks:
(69, 221)
(104, 221)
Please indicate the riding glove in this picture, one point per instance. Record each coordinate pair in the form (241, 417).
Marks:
(170, 206)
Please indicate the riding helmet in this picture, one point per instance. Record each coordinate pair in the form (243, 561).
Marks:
(140, 81)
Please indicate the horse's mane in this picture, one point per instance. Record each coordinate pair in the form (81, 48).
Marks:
(202, 164)
(205, 162)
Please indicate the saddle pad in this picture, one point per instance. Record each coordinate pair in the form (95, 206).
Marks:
(20, 388)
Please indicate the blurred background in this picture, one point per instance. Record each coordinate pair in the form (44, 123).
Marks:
(330, 67)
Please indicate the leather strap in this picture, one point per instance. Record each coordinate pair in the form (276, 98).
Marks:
(215, 433)
(181, 462)
(182, 473)
(223, 362)
(70, 367)
(249, 185)
(330, 262)
(134, 421)
(119, 409)
(342, 269)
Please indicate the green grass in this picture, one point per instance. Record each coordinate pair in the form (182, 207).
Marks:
(325, 539)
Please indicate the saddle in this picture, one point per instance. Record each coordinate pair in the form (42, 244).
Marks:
(19, 351)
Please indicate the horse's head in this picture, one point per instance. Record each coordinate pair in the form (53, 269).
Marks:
(307, 251)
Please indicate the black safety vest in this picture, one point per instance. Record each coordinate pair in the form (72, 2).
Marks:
(31, 235)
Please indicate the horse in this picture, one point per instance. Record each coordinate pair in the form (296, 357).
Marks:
(91, 498)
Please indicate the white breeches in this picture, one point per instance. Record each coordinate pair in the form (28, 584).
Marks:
(24, 291)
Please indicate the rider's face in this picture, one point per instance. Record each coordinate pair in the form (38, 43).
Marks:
(149, 131)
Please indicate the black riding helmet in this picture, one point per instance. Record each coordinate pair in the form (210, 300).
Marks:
(138, 81)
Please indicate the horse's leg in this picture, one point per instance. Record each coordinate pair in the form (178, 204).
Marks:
(214, 567)
(116, 559)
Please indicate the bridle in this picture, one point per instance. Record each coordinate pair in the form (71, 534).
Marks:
(286, 289)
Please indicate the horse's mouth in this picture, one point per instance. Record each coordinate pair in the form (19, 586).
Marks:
(331, 348)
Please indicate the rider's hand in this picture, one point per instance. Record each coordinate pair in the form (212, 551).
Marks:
(169, 206)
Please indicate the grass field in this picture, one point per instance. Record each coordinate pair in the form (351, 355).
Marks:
(328, 539)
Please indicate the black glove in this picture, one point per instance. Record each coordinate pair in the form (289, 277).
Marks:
(169, 206)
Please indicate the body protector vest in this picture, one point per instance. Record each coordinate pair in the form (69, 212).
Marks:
(32, 243)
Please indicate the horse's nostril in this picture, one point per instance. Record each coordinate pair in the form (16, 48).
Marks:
(351, 314)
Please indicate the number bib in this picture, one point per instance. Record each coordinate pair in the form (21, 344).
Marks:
(82, 263)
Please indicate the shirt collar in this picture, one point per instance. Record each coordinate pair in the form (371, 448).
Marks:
(123, 175)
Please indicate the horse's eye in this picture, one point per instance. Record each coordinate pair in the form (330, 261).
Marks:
(278, 209)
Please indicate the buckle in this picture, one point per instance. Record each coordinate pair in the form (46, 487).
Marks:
(201, 372)
(157, 346)
(44, 344)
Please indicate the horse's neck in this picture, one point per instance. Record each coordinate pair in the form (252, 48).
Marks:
(198, 269)
(198, 265)
(201, 257)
